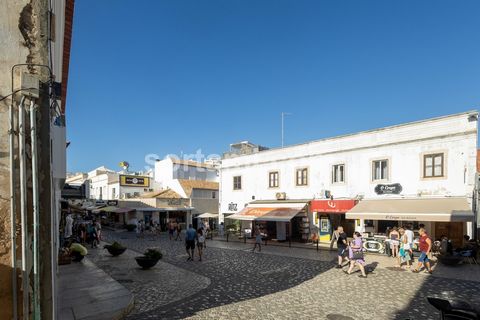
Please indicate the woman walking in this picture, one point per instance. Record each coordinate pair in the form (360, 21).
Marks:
(258, 240)
(356, 255)
(200, 242)
(394, 241)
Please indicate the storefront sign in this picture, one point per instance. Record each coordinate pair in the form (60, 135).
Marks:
(174, 202)
(395, 188)
(332, 206)
(112, 202)
(400, 217)
(134, 181)
(232, 206)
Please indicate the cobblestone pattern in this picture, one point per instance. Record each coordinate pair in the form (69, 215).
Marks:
(264, 286)
(162, 284)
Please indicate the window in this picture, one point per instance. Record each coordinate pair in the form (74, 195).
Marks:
(302, 177)
(433, 165)
(214, 194)
(237, 183)
(380, 170)
(273, 179)
(338, 173)
(113, 193)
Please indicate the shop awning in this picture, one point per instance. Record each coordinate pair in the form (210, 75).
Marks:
(105, 209)
(332, 206)
(430, 209)
(207, 215)
(274, 211)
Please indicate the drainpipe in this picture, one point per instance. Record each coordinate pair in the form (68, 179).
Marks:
(23, 208)
(13, 215)
(35, 192)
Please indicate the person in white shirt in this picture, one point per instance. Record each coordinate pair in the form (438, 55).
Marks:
(408, 244)
(68, 226)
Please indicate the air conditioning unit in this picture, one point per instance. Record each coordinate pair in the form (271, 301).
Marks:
(281, 196)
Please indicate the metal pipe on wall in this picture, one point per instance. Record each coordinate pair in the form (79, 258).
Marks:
(13, 206)
(35, 199)
(23, 208)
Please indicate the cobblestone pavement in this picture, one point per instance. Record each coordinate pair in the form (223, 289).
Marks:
(151, 288)
(244, 285)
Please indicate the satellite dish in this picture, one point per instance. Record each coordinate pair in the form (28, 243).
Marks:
(124, 165)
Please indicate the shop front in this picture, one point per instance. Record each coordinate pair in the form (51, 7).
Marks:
(448, 217)
(277, 220)
(328, 214)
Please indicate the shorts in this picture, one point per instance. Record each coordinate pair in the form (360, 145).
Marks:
(190, 244)
(341, 251)
(200, 245)
(423, 258)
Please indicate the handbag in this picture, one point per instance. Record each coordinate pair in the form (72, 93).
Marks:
(358, 255)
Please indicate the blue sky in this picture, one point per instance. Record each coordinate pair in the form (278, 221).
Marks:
(172, 77)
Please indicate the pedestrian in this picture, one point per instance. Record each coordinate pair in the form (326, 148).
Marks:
(334, 238)
(341, 246)
(394, 241)
(403, 255)
(425, 246)
(221, 229)
(92, 234)
(98, 227)
(170, 230)
(190, 237)
(179, 232)
(200, 243)
(356, 255)
(258, 240)
(408, 244)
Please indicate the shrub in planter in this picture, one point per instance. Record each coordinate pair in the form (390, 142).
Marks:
(130, 227)
(149, 258)
(115, 249)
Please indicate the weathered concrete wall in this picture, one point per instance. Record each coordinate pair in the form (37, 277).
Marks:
(23, 39)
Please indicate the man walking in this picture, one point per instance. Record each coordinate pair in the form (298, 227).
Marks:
(190, 237)
(341, 246)
(425, 245)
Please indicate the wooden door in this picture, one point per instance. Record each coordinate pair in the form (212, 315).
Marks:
(453, 230)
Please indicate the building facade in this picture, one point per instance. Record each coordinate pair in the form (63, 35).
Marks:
(429, 159)
(192, 180)
(35, 38)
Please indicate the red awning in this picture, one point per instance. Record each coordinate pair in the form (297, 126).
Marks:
(332, 206)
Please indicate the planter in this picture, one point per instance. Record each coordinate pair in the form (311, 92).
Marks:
(146, 263)
(450, 260)
(115, 251)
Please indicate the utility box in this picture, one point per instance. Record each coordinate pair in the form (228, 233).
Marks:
(30, 85)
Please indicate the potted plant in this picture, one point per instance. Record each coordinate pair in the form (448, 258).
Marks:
(115, 249)
(149, 258)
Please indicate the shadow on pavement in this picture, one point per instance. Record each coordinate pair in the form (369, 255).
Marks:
(235, 275)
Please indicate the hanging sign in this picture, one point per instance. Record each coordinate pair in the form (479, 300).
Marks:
(395, 188)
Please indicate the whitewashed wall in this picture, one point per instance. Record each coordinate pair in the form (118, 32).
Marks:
(403, 145)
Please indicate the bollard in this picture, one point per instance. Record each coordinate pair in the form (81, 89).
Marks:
(245, 238)
(317, 244)
(227, 235)
(289, 242)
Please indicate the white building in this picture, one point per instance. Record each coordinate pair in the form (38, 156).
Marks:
(192, 180)
(106, 184)
(427, 160)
